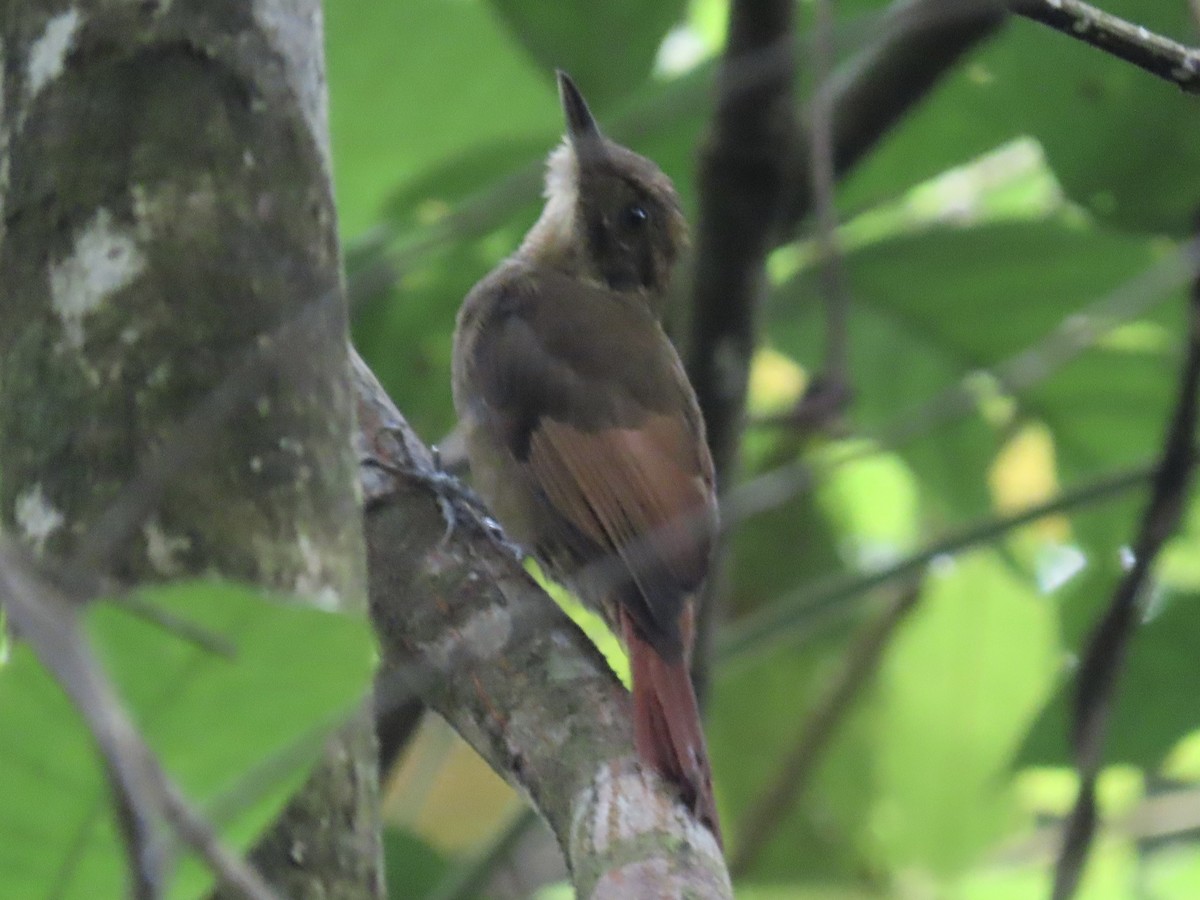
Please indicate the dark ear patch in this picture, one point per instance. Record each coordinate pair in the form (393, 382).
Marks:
(622, 223)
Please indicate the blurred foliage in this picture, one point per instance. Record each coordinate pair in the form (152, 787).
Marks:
(1012, 255)
(238, 728)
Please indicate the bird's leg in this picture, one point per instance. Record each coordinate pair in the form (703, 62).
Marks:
(456, 501)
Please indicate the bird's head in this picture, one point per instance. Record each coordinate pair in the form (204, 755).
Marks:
(611, 214)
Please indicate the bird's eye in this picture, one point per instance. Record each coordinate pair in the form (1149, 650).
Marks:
(634, 216)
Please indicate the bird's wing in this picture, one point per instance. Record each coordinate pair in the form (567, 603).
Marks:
(633, 493)
(594, 404)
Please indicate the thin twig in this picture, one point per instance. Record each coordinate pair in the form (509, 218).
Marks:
(829, 393)
(143, 792)
(1174, 813)
(1109, 643)
(764, 814)
(826, 599)
(1135, 44)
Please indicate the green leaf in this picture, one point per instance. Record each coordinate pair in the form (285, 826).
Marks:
(581, 36)
(969, 668)
(1110, 406)
(928, 309)
(238, 733)
(1154, 707)
(1122, 142)
(413, 867)
(755, 710)
(407, 91)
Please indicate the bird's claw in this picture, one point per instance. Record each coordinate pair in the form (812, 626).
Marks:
(458, 504)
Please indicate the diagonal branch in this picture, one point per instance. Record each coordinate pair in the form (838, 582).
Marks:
(830, 392)
(1135, 44)
(465, 628)
(1109, 643)
(919, 42)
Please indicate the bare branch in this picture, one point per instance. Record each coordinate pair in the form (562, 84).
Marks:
(1150, 52)
(465, 628)
(743, 170)
(919, 42)
(1108, 644)
(742, 179)
(829, 393)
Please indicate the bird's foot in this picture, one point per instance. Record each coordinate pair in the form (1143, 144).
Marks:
(459, 505)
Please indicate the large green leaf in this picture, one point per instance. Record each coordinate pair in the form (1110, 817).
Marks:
(760, 703)
(755, 711)
(1155, 706)
(931, 308)
(1122, 142)
(582, 36)
(413, 83)
(967, 672)
(237, 732)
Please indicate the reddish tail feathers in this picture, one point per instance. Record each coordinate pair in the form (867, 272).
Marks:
(666, 725)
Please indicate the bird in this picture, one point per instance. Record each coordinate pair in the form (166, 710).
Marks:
(583, 434)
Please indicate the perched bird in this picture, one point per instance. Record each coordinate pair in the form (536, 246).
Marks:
(582, 431)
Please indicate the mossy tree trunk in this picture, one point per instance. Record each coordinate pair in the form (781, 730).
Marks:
(173, 377)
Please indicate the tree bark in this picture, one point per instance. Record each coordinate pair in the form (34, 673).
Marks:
(173, 336)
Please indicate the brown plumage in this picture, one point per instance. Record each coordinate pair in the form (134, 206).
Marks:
(583, 433)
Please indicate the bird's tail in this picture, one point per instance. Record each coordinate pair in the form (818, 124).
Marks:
(666, 724)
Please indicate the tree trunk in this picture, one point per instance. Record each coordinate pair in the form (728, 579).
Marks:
(172, 333)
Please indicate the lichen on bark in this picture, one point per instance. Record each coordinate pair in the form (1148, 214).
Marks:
(173, 336)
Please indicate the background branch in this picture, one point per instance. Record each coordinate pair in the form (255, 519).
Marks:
(742, 175)
(828, 393)
(1108, 644)
(824, 600)
(1153, 53)
(919, 42)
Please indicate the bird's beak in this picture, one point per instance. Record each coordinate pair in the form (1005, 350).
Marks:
(581, 127)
